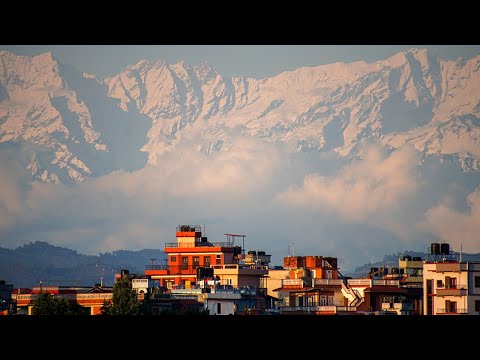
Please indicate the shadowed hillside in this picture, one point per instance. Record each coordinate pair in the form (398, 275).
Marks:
(27, 265)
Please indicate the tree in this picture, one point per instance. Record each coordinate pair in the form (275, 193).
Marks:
(124, 300)
(44, 304)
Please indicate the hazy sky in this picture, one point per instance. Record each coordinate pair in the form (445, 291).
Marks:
(256, 61)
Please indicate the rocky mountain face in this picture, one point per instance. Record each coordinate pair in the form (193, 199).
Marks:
(69, 126)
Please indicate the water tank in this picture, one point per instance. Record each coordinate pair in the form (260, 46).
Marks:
(373, 270)
(444, 249)
(407, 257)
(394, 270)
(252, 252)
(417, 258)
(435, 249)
(261, 253)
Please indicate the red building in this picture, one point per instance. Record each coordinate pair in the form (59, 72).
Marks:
(192, 251)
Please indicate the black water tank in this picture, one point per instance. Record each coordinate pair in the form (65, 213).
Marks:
(435, 249)
(417, 258)
(444, 249)
(394, 270)
(373, 270)
(252, 252)
(261, 253)
(407, 257)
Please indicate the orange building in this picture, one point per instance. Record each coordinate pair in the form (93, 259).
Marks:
(190, 252)
(89, 297)
(314, 286)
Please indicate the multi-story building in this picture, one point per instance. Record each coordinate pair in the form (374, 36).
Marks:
(450, 286)
(193, 261)
(313, 286)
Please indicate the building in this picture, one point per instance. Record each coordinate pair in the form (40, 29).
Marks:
(450, 286)
(193, 261)
(314, 286)
(6, 303)
(92, 298)
(229, 301)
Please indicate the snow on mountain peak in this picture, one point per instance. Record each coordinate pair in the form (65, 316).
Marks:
(412, 97)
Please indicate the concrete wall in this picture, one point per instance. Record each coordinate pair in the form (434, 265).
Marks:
(274, 281)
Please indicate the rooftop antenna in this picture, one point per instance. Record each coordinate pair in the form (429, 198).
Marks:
(293, 248)
(460, 252)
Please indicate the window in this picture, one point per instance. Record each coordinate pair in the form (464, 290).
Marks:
(477, 281)
(206, 261)
(218, 260)
(450, 283)
(329, 274)
(439, 284)
(323, 300)
(219, 308)
(184, 263)
(450, 306)
(173, 259)
(330, 301)
(477, 305)
(196, 261)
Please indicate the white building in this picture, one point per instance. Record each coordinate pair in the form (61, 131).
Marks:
(451, 287)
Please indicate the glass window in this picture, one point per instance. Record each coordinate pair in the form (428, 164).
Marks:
(173, 259)
(184, 262)
(196, 261)
(477, 281)
(206, 261)
(477, 305)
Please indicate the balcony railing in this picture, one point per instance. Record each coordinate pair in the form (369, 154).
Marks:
(386, 282)
(175, 269)
(198, 244)
(452, 291)
(292, 283)
(451, 311)
(314, 309)
(100, 296)
(397, 306)
(328, 282)
(360, 282)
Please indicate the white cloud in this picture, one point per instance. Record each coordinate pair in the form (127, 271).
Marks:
(376, 183)
(455, 227)
(356, 211)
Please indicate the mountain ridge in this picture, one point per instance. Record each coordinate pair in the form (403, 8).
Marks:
(332, 107)
(35, 262)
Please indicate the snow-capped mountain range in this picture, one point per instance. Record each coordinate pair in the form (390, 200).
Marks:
(69, 126)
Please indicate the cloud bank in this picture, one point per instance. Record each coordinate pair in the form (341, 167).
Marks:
(309, 203)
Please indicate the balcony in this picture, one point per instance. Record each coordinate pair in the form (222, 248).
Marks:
(317, 309)
(320, 282)
(450, 267)
(460, 290)
(171, 269)
(292, 283)
(196, 244)
(382, 282)
(443, 311)
(402, 306)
